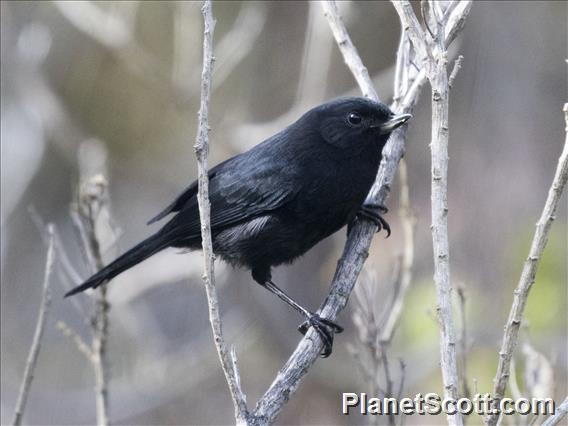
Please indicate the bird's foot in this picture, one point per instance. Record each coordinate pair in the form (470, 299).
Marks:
(325, 328)
(373, 212)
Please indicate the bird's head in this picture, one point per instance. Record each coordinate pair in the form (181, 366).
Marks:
(354, 123)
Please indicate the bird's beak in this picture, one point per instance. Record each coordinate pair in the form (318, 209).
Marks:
(395, 122)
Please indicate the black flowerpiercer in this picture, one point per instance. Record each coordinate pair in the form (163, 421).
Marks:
(274, 202)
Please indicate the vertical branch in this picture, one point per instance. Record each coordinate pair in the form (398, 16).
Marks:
(408, 222)
(431, 47)
(201, 151)
(527, 279)
(38, 334)
(100, 359)
(93, 200)
(440, 243)
(463, 342)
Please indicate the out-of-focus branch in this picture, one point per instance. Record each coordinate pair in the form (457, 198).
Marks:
(408, 222)
(115, 32)
(348, 50)
(78, 340)
(66, 272)
(228, 362)
(239, 41)
(370, 351)
(530, 267)
(38, 334)
(317, 54)
(557, 417)
(349, 266)
(93, 200)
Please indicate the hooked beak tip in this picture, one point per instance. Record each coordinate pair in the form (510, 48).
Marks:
(395, 122)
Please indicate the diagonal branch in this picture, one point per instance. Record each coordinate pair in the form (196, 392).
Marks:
(521, 293)
(559, 415)
(228, 360)
(38, 334)
(348, 50)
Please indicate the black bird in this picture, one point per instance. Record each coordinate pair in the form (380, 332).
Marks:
(274, 202)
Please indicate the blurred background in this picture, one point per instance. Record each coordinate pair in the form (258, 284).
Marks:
(115, 85)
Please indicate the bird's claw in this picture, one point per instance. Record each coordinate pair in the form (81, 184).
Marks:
(373, 213)
(325, 328)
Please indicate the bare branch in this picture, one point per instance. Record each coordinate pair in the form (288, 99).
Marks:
(348, 50)
(561, 412)
(408, 221)
(388, 380)
(527, 279)
(411, 26)
(456, 20)
(513, 385)
(455, 70)
(201, 150)
(317, 55)
(92, 200)
(115, 32)
(66, 272)
(463, 341)
(433, 51)
(401, 72)
(428, 17)
(239, 40)
(38, 334)
(234, 364)
(76, 339)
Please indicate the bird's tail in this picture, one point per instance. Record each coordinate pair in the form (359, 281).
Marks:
(135, 255)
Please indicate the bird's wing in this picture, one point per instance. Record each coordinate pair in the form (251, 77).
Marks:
(239, 189)
(184, 197)
(177, 204)
(236, 199)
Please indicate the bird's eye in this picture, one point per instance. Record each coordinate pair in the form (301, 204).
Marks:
(354, 118)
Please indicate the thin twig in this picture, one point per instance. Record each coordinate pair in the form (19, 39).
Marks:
(408, 222)
(38, 334)
(234, 364)
(463, 342)
(388, 380)
(455, 70)
(401, 70)
(527, 279)
(201, 151)
(66, 273)
(349, 266)
(557, 417)
(402, 378)
(76, 339)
